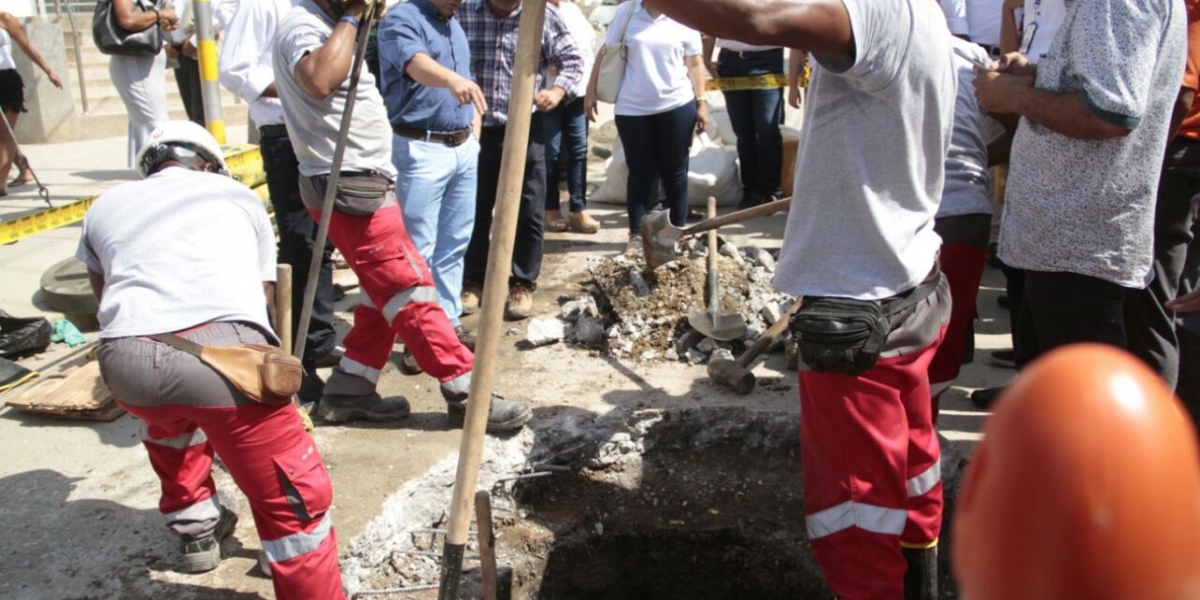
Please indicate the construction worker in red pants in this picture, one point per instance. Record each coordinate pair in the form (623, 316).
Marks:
(313, 56)
(964, 220)
(190, 251)
(860, 247)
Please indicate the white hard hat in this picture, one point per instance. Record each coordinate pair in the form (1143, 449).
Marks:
(179, 134)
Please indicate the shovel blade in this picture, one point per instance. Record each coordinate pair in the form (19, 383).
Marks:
(723, 328)
(658, 239)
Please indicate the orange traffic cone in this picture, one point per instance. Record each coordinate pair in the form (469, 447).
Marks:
(1086, 487)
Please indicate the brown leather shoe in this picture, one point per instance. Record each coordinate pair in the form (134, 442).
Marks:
(465, 337)
(470, 296)
(520, 303)
(555, 223)
(582, 222)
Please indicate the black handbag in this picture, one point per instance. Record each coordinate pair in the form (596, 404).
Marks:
(110, 38)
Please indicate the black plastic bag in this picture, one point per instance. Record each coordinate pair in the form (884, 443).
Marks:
(23, 336)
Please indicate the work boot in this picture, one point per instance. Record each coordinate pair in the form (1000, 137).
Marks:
(986, 397)
(582, 222)
(471, 294)
(330, 359)
(504, 416)
(555, 223)
(340, 408)
(920, 580)
(520, 303)
(202, 554)
(465, 337)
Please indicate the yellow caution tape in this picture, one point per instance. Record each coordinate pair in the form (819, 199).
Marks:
(244, 161)
(738, 84)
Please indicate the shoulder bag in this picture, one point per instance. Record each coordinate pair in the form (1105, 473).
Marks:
(111, 39)
(262, 373)
(612, 68)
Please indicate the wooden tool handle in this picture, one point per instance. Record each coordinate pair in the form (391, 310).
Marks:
(769, 336)
(740, 216)
(713, 278)
(283, 305)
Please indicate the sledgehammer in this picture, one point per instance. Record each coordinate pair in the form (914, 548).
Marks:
(659, 235)
(733, 374)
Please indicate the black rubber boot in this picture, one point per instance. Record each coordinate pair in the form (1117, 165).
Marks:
(921, 578)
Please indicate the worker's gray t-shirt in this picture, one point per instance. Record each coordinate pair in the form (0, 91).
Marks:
(1087, 206)
(870, 167)
(967, 176)
(179, 249)
(312, 123)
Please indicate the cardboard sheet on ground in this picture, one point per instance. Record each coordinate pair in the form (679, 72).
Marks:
(79, 393)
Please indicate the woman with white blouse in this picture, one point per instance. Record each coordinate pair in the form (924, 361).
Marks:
(660, 105)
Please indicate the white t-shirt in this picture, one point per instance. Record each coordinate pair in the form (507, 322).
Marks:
(871, 162)
(983, 18)
(179, 249)
(584, 34)
(1049, 16)
(956, 16)
(967, 175)
(312, 123)
(656, 74)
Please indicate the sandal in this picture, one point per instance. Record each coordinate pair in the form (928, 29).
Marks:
(18, 182)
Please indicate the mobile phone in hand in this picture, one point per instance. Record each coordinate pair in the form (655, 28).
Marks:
(982, 64)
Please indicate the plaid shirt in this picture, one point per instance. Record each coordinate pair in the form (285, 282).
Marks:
(494, 48)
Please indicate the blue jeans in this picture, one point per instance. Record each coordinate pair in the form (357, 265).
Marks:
(567, 121)
(656, 147)
(436, 188)
(755, 116)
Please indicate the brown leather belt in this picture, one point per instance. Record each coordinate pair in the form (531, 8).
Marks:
(452, 139)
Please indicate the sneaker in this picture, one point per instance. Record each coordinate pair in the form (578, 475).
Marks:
(582, 222)
(1005, 359)
(986, 397)
(504, 416)
(520, 303)
(465, 337)
(750, 200)
(341, 408)
(408, 363)
(471, 294)
(635, 244)
(203, 554)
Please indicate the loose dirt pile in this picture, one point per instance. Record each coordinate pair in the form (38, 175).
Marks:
(634, 314)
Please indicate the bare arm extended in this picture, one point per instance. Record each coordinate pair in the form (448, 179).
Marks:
(324, 70)
(814, 25)
(13, 26)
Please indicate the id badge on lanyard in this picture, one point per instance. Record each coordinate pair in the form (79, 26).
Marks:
(1027, 39)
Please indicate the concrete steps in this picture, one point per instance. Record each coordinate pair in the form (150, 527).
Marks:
(106, 115)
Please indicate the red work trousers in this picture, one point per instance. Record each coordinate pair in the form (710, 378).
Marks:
(963, 266)
(274, 462)
(400, 299)
(872, 464)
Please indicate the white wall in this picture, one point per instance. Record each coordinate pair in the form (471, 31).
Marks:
(20, 8)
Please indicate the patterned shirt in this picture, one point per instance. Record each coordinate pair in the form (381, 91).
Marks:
(1087, 206)
(494, 48)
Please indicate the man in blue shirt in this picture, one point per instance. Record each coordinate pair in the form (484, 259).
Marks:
(435, 110)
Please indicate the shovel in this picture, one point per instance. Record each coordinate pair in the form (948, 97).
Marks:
(710, 322)
(659, 236)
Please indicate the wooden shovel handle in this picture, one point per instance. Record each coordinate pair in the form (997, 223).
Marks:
(740, 216)
(769, 335)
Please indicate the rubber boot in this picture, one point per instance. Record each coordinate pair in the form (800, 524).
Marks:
(921, 578)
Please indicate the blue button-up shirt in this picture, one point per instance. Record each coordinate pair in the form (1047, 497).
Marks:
(494, 49)
(412, 28)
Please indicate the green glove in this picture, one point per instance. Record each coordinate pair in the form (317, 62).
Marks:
(65, 331)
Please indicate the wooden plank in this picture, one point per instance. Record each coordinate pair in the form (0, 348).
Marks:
(78, 393)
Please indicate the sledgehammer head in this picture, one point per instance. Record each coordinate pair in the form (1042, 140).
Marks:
(731, 374)
(658, 239)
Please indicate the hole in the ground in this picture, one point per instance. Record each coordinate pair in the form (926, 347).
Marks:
(695, 505)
